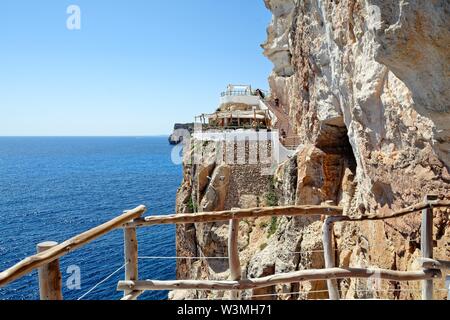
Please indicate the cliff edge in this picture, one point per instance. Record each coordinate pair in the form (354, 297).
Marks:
(180, 130)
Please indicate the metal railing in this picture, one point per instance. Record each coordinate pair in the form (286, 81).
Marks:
(243, 93)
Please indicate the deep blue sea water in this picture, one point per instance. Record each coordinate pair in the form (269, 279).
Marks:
(55, 188)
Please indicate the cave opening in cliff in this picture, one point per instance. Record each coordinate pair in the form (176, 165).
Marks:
(333, 139)
(339, 162)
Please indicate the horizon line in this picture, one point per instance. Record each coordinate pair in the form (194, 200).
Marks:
(85, 136)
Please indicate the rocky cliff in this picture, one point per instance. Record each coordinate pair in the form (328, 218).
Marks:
(180, 130)
(367, 85)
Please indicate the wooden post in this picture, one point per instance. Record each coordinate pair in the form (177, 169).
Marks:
(328, 252)
(131, 255)
(427, 245)
(132, 296)
(233, 255)
(50, 280)
(447, 285)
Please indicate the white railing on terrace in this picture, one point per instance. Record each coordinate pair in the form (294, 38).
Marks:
(243, 93)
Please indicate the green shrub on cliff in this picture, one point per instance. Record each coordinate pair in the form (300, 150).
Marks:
(271, 196)
(273, 226)
(192, 206)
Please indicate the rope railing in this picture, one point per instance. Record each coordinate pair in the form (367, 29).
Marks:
(308, 292)
(304, 252)
(182, 258)
(102, 281)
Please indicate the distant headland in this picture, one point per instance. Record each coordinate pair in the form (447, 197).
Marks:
(176, 137)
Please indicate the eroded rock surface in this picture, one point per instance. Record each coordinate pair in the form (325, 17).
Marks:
(212, 184)
(368, 95)
(367, 85)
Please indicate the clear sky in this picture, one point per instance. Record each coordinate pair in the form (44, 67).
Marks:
(135, 67)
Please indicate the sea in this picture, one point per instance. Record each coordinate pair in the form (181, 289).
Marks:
(52, 188)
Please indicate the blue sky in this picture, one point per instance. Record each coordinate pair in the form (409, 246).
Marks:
(134, 68)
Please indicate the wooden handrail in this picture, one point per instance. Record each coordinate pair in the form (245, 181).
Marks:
(305, 210)
(301, 210)
(403, 212)
(298, 276)
(428, 263)
(29, 264)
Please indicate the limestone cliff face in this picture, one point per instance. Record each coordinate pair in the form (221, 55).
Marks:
(383, 82)
(366, 83)
(212, 182)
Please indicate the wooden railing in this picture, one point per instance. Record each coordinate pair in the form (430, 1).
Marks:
(49, 278)
(46, 260)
